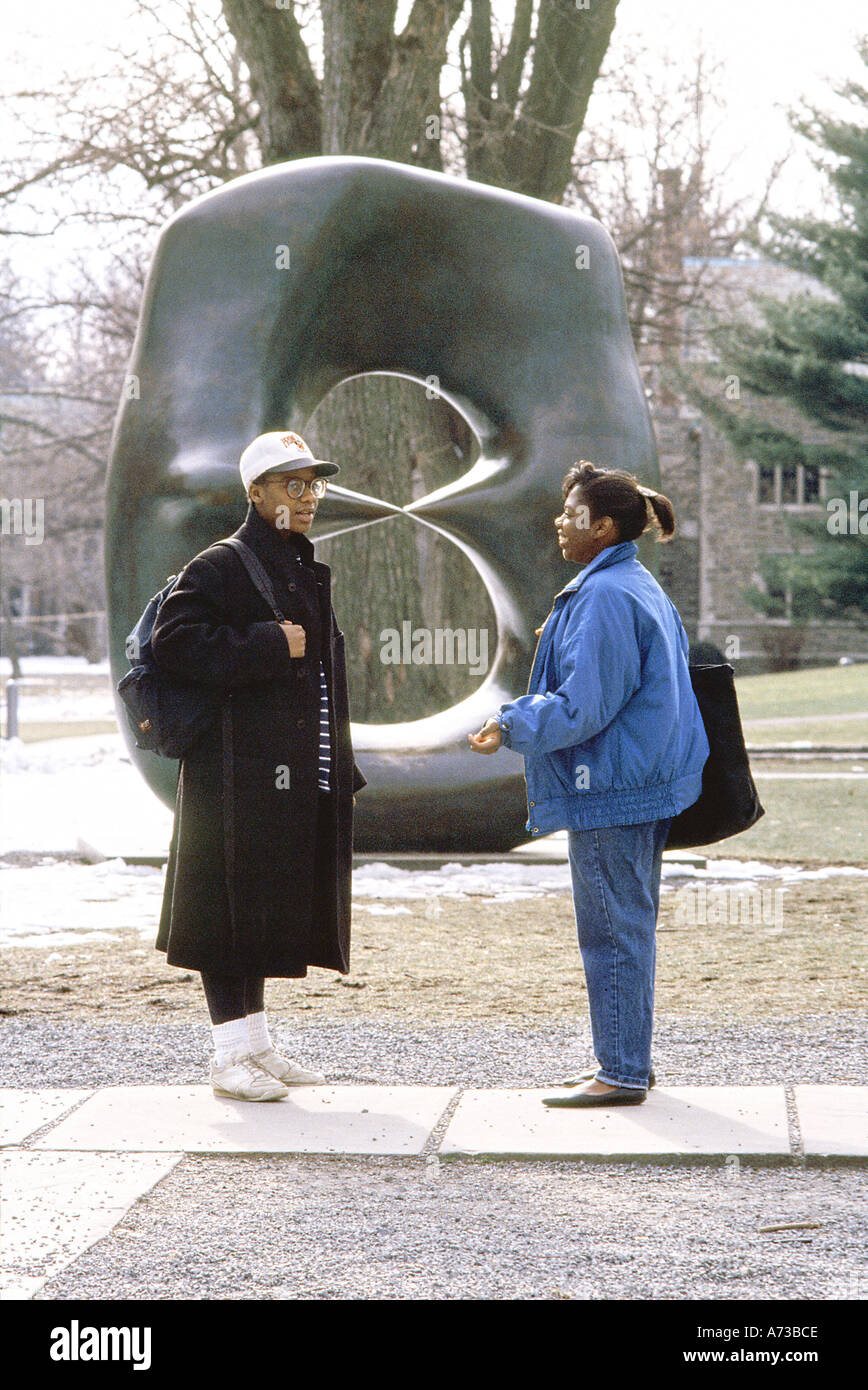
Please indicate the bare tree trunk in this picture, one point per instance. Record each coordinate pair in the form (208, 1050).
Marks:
(380, 97)
(398, 571)
(524, 140)
(10, 637)
(569, 48)
(281, 77)
(379, 89)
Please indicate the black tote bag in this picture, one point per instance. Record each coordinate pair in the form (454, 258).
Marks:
(728, 802)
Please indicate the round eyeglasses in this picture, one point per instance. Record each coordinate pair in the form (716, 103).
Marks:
(296, 486)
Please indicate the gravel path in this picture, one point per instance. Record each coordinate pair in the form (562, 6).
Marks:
(53, 1052)
(318, 1228)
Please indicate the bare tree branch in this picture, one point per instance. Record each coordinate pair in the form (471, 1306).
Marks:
(511, 65)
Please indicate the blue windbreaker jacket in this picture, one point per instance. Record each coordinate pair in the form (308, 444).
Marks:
(610, 729)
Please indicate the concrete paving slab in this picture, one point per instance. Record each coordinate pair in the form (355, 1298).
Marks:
(834, 1120)
(23, 1112)
(676, 1122)
(312, 1119)
(55, 1206)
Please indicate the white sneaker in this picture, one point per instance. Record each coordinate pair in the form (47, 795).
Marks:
(243, 1079)
(290, 1073)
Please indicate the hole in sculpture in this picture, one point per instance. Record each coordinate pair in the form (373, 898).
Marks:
(420, 628)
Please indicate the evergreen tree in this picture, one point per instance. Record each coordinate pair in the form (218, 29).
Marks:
(800, 374)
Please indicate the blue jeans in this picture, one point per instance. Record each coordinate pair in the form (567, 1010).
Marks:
(616, 892)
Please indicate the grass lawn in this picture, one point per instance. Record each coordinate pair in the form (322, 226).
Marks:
(812, 694)
(847, 729)
(827, 705)
(821, 819)
(816, 820)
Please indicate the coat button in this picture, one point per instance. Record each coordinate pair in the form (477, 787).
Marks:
(292, 588)
(533, 803)
(535, 830)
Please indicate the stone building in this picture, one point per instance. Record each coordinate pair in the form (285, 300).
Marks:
(730, 512)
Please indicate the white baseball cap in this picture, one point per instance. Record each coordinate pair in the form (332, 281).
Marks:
(281, 451)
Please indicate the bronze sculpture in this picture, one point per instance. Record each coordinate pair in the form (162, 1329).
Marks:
(265, 294)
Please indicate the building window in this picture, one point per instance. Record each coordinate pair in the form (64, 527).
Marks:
(810, 485)
(792, 604)
(767, 486)
(779, 601)
(790, 485)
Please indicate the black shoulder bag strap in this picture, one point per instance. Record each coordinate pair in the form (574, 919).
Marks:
(256, 570)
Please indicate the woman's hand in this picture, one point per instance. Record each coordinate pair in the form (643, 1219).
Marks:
(295, 637)
(489, 738)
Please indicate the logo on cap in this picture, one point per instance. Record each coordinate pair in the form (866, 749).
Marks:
(290, 440)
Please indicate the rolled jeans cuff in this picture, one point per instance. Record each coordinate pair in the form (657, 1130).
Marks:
(625, 1085)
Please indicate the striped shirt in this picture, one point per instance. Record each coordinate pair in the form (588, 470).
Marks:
(325, 756)
(325, 751)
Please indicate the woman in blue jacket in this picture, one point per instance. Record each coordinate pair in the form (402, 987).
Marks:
(614, 748)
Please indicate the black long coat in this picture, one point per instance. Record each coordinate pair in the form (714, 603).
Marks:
(245, 892)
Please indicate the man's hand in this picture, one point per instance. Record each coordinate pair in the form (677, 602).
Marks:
(489, 738)
(295, 637)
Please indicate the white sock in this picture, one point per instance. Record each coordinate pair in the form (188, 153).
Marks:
(230, 1039)
(257, 1033)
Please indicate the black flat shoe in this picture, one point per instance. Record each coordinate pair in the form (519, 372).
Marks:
(584, 1100)
(589, 1076)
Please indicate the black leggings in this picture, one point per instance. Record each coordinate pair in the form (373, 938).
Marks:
(233, 996)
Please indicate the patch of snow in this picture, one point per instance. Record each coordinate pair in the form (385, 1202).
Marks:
(55, 666)
(748, 870)
(54, 904)
(56, 707)
(61, 938)
(383, 910)
(62, 791)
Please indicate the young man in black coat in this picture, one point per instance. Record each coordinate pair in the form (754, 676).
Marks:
(258, 878)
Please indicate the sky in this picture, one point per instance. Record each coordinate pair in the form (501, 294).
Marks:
(774, 53)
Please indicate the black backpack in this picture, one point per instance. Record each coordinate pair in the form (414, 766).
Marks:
(168, 715)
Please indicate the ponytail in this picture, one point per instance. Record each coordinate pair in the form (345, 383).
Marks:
(611, 492)
(664, 516)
